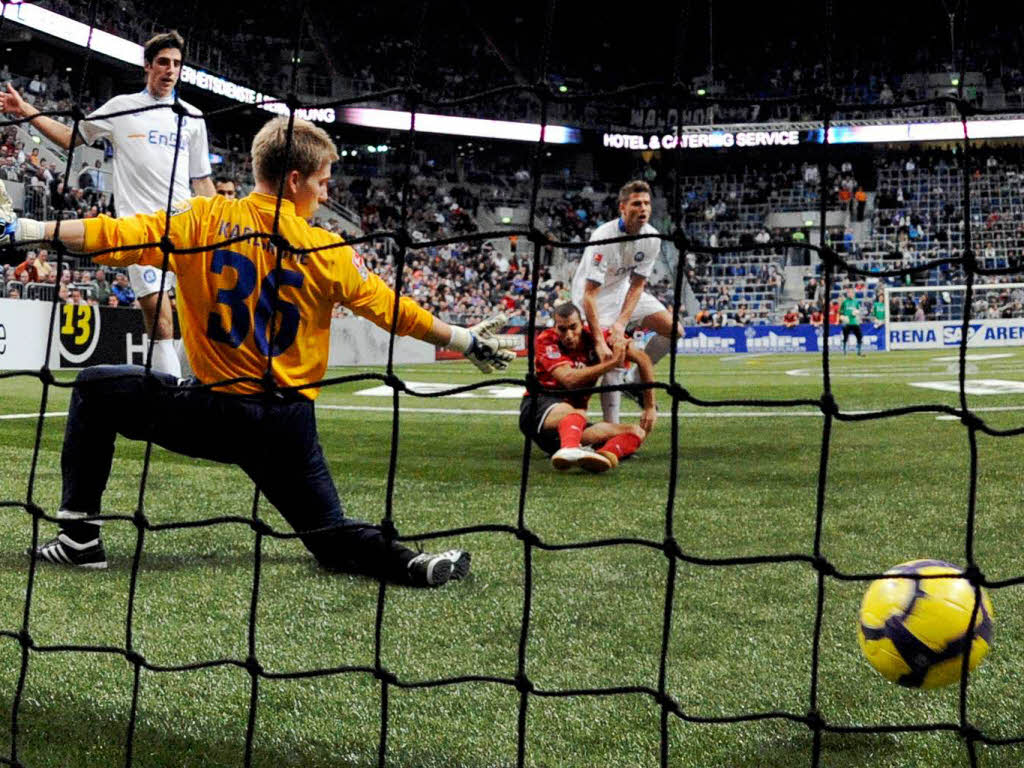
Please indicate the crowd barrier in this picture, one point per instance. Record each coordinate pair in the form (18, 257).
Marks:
(88, 335)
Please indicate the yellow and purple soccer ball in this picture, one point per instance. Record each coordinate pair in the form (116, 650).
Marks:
(915, 631)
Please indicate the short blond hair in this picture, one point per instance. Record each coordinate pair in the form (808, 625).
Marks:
(632, 188)
(273, 159)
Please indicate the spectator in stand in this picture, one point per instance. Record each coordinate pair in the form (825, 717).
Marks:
(743, 316)
(86, 177)
(703, 316)
(811, 289)
(803, 308)
(101, 288)
(122, 290)
(861, 198)
(816, 317)
(792, 318)
(36, 266)
(833, 313)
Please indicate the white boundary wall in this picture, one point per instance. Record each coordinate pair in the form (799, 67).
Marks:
(23, 335)
(354, 341)
(939, 334)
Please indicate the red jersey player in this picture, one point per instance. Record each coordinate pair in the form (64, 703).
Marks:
(566, 358)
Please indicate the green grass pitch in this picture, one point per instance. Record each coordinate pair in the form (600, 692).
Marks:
(740, 638)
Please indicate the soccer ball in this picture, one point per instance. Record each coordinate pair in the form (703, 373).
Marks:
(914, 631)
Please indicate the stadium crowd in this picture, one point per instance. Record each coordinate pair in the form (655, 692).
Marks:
(866, 69)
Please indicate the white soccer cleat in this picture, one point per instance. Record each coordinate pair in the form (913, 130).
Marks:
(566, 458)
(583, 457)
(592, 461)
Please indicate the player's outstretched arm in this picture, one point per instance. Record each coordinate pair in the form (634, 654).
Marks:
(645, 370)
(479, 343)
(13, 104)
(590, 291)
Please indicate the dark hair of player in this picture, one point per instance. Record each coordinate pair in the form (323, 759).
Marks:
(154, 45)
(566, 309)
(632, 188)
(225, 179)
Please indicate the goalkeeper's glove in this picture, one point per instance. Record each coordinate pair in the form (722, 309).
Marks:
(479, 343)
(12, 229)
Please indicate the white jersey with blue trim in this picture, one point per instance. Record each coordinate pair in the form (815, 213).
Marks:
(612, 264)
(144, 150)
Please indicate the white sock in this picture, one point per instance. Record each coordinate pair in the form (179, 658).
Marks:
(186, 366)
(610, 400)
(657, 348)
(165, 358)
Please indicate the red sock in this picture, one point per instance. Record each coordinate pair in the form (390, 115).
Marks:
(570, 429)
(622, 445)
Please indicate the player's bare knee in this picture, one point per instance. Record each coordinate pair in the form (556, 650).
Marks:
(638, 431)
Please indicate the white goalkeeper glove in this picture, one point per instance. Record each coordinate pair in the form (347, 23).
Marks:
(482, 346)
(12, 229)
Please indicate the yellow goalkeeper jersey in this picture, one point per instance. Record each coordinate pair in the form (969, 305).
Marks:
(225, 294)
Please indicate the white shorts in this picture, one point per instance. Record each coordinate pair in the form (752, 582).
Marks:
(146, 280)
(609, 305)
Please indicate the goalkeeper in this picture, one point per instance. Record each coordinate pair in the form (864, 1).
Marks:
(243, 304)
(849, 315)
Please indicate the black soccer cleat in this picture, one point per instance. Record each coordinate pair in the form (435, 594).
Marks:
(435, 569)
(62, 550)
(460, 560)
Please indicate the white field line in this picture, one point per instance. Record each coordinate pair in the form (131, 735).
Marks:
(780, 413)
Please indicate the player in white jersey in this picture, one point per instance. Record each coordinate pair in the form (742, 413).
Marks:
(609, 286)
(144, 151)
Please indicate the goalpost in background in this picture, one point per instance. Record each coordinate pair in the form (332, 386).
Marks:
(996, 312)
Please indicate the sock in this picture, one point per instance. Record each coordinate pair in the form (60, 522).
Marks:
(622, 445)
(186, 366)
(570, 429)
(80, 533)
(610, 400)
(165, 358)
(657, 348)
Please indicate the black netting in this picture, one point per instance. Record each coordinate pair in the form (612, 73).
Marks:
(674, 92)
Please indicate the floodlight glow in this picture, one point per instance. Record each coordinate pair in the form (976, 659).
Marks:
(395, 120)
(701, 92)
(80, 34)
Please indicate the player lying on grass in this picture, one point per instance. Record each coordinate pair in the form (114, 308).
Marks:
(238, 305)
(566, 358)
